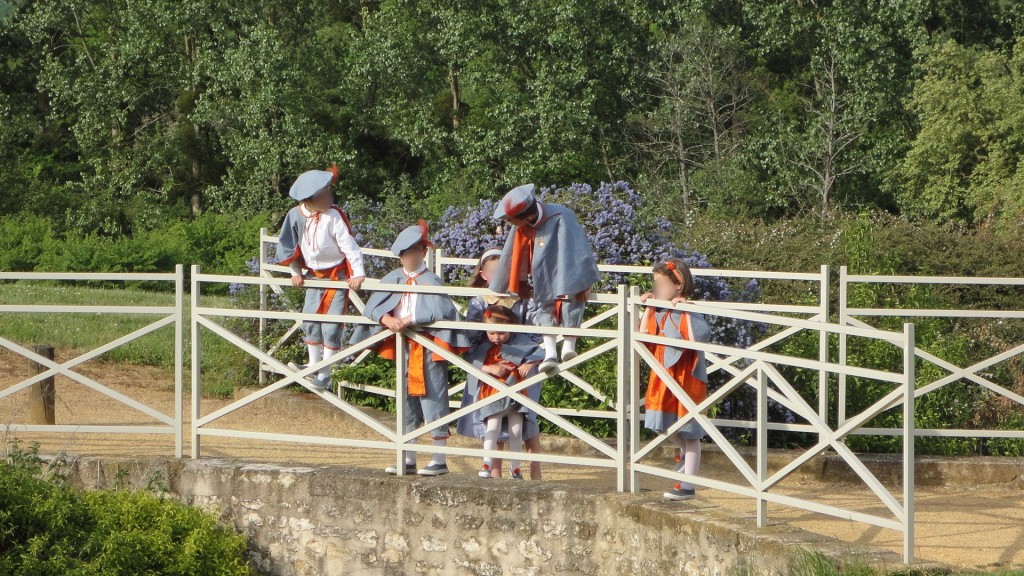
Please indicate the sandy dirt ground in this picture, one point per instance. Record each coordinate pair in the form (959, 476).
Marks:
(975, 527)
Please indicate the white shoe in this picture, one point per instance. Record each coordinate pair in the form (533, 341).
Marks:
(296, 367)
(568, 355)
(548, 365)
(393, 470)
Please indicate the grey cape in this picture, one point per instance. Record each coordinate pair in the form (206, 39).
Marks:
(563, 261)
(289, 241)
(699, 332)
(519, 350)
(429, 308)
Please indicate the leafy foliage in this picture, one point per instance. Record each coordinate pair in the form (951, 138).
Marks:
(48, 527)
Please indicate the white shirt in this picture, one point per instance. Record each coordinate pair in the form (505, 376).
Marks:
(407, 305)
(327, 242)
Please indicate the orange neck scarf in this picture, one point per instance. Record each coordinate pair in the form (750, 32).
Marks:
(417, 379)
(522, 253)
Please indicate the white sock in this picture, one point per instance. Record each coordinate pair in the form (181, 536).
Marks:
(493, 427)
(316, 353)
(515, 436)
(549, 346)
(440, 458)
(325, 372)
(691, 462)
(410, 458)
(568, 345)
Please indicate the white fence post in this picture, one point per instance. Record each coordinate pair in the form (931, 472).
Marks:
(179, 356)
(196, 361)
(624, 384)
(438, 261)
(823, 337)
(843, 321)
(400, 359)
(909, 390)
(263, 303)
(762, 446)
(633, 317)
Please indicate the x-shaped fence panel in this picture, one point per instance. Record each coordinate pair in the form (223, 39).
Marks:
(168, 316)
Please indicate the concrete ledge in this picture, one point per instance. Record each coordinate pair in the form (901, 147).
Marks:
(343, 520)
(826, 467)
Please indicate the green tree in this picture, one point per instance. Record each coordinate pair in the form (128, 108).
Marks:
(963, 163)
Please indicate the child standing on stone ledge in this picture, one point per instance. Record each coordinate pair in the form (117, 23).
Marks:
(674, 282)
(511, 358)
(472, 425)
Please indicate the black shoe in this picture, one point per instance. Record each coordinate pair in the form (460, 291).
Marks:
(393, 470)
(434, 470)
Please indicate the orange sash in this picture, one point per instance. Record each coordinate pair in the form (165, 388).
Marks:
(328, 295)
(659, 396)
(416, 382)
(522, 249)
(493, 357)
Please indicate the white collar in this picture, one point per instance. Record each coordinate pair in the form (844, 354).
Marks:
(421, 270)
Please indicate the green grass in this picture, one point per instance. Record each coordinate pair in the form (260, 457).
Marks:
(222, 362)
(816, 564)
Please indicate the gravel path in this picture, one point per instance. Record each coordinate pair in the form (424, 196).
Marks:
(974, 527)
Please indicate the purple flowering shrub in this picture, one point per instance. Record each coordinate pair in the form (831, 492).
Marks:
(619, 233)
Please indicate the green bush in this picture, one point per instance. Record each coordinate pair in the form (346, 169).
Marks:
(218, 243)
(23, 240)
(47, 527)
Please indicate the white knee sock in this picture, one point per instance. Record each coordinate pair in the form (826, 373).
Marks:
(549, 346)
(325, 372)
(316, 353)
(491, 436)
(568, 345)
(440, 458)
(691, 461)
(515, 436)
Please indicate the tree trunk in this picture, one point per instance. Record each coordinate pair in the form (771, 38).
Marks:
(453, 82)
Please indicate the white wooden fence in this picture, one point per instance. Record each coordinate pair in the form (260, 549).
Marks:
(610, 331)
(167, 316)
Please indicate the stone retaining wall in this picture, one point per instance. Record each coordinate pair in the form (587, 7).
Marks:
(343, 520)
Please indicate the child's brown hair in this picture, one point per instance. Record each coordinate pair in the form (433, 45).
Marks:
(498, 314)
(677, 271)
(477, 280)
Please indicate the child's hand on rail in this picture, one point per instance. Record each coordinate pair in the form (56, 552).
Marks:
(525, 369)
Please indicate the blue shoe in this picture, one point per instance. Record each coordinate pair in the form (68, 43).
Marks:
(322, 383)
(677, 493)
(433, 469)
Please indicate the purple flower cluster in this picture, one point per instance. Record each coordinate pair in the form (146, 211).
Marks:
(619, 233)
(467, 232)
(252, 267)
